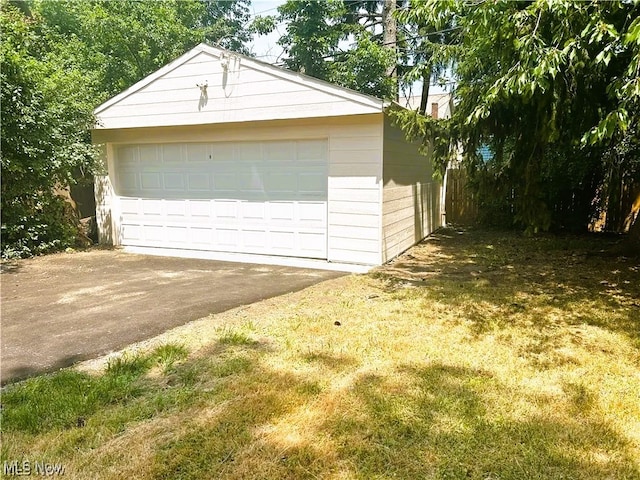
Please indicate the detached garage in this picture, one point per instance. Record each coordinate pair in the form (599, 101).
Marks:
(217, 155)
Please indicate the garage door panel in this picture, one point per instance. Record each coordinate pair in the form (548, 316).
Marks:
(172, 154)
(248, 152)
(280, 151)
(226, 209)
(225, 182)
(313, 242)
(131, 233)
(283, 211)
(254, 239)
(312, 212)
(152, 208)
(251, 181)
(197, 153)
(130, 206)
(201, 237)
(227, 237)
(253, 211)
(175, 209)
(150, 181)
(312, 150)
(148, 155)
(127, 182)
(283, 241)
(198, 182)
(174, 181)
(281, 182)
(199, 209)
(127, 155)
(251, 197)
(312, 183)
(154, 233)
(177, 234)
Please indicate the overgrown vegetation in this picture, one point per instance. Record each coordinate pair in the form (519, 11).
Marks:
(476, 355)
(45, 138)
(60, 59)
(553, 89)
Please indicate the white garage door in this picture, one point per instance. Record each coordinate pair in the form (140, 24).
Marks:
(250, 197)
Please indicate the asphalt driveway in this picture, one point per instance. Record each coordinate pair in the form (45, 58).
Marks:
(63, 308)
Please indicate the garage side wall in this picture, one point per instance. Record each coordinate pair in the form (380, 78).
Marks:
(410, 195)
(353, 185)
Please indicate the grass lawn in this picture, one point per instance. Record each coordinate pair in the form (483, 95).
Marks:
(482, 355)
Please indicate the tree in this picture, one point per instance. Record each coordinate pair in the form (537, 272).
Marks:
(59, 61)
(119, 42)
(552, 88)
(315, 30)
(45, 122)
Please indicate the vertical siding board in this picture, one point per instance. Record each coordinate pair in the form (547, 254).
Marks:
(105, 198)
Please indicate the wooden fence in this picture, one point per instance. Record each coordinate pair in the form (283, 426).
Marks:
(460, 206)
(617, 211)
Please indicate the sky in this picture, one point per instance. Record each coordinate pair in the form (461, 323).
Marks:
(265, 47)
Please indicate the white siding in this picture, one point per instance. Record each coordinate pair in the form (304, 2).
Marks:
(246, 91)
(411, 197)
(354, 171)
(355, 174)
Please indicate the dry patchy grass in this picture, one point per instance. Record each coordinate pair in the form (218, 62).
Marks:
(476, 355)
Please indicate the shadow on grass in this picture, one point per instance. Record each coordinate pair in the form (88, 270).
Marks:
(499, 279)
(431, 421)
(440, 425)
(445, 428)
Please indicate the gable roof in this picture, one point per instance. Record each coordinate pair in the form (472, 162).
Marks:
(252, 63)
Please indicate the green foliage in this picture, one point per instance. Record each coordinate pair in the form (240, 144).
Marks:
(313, 33)
(121, 41)
(552, 88)
(67, 398)
(60, 59)
(312, 42)
(47, 402)
(45, 138)
(235, 337)
(167, 355)
(364, 69)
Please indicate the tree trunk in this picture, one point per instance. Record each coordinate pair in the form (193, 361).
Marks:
(390, 37)
(632, 242)
(426, 81)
